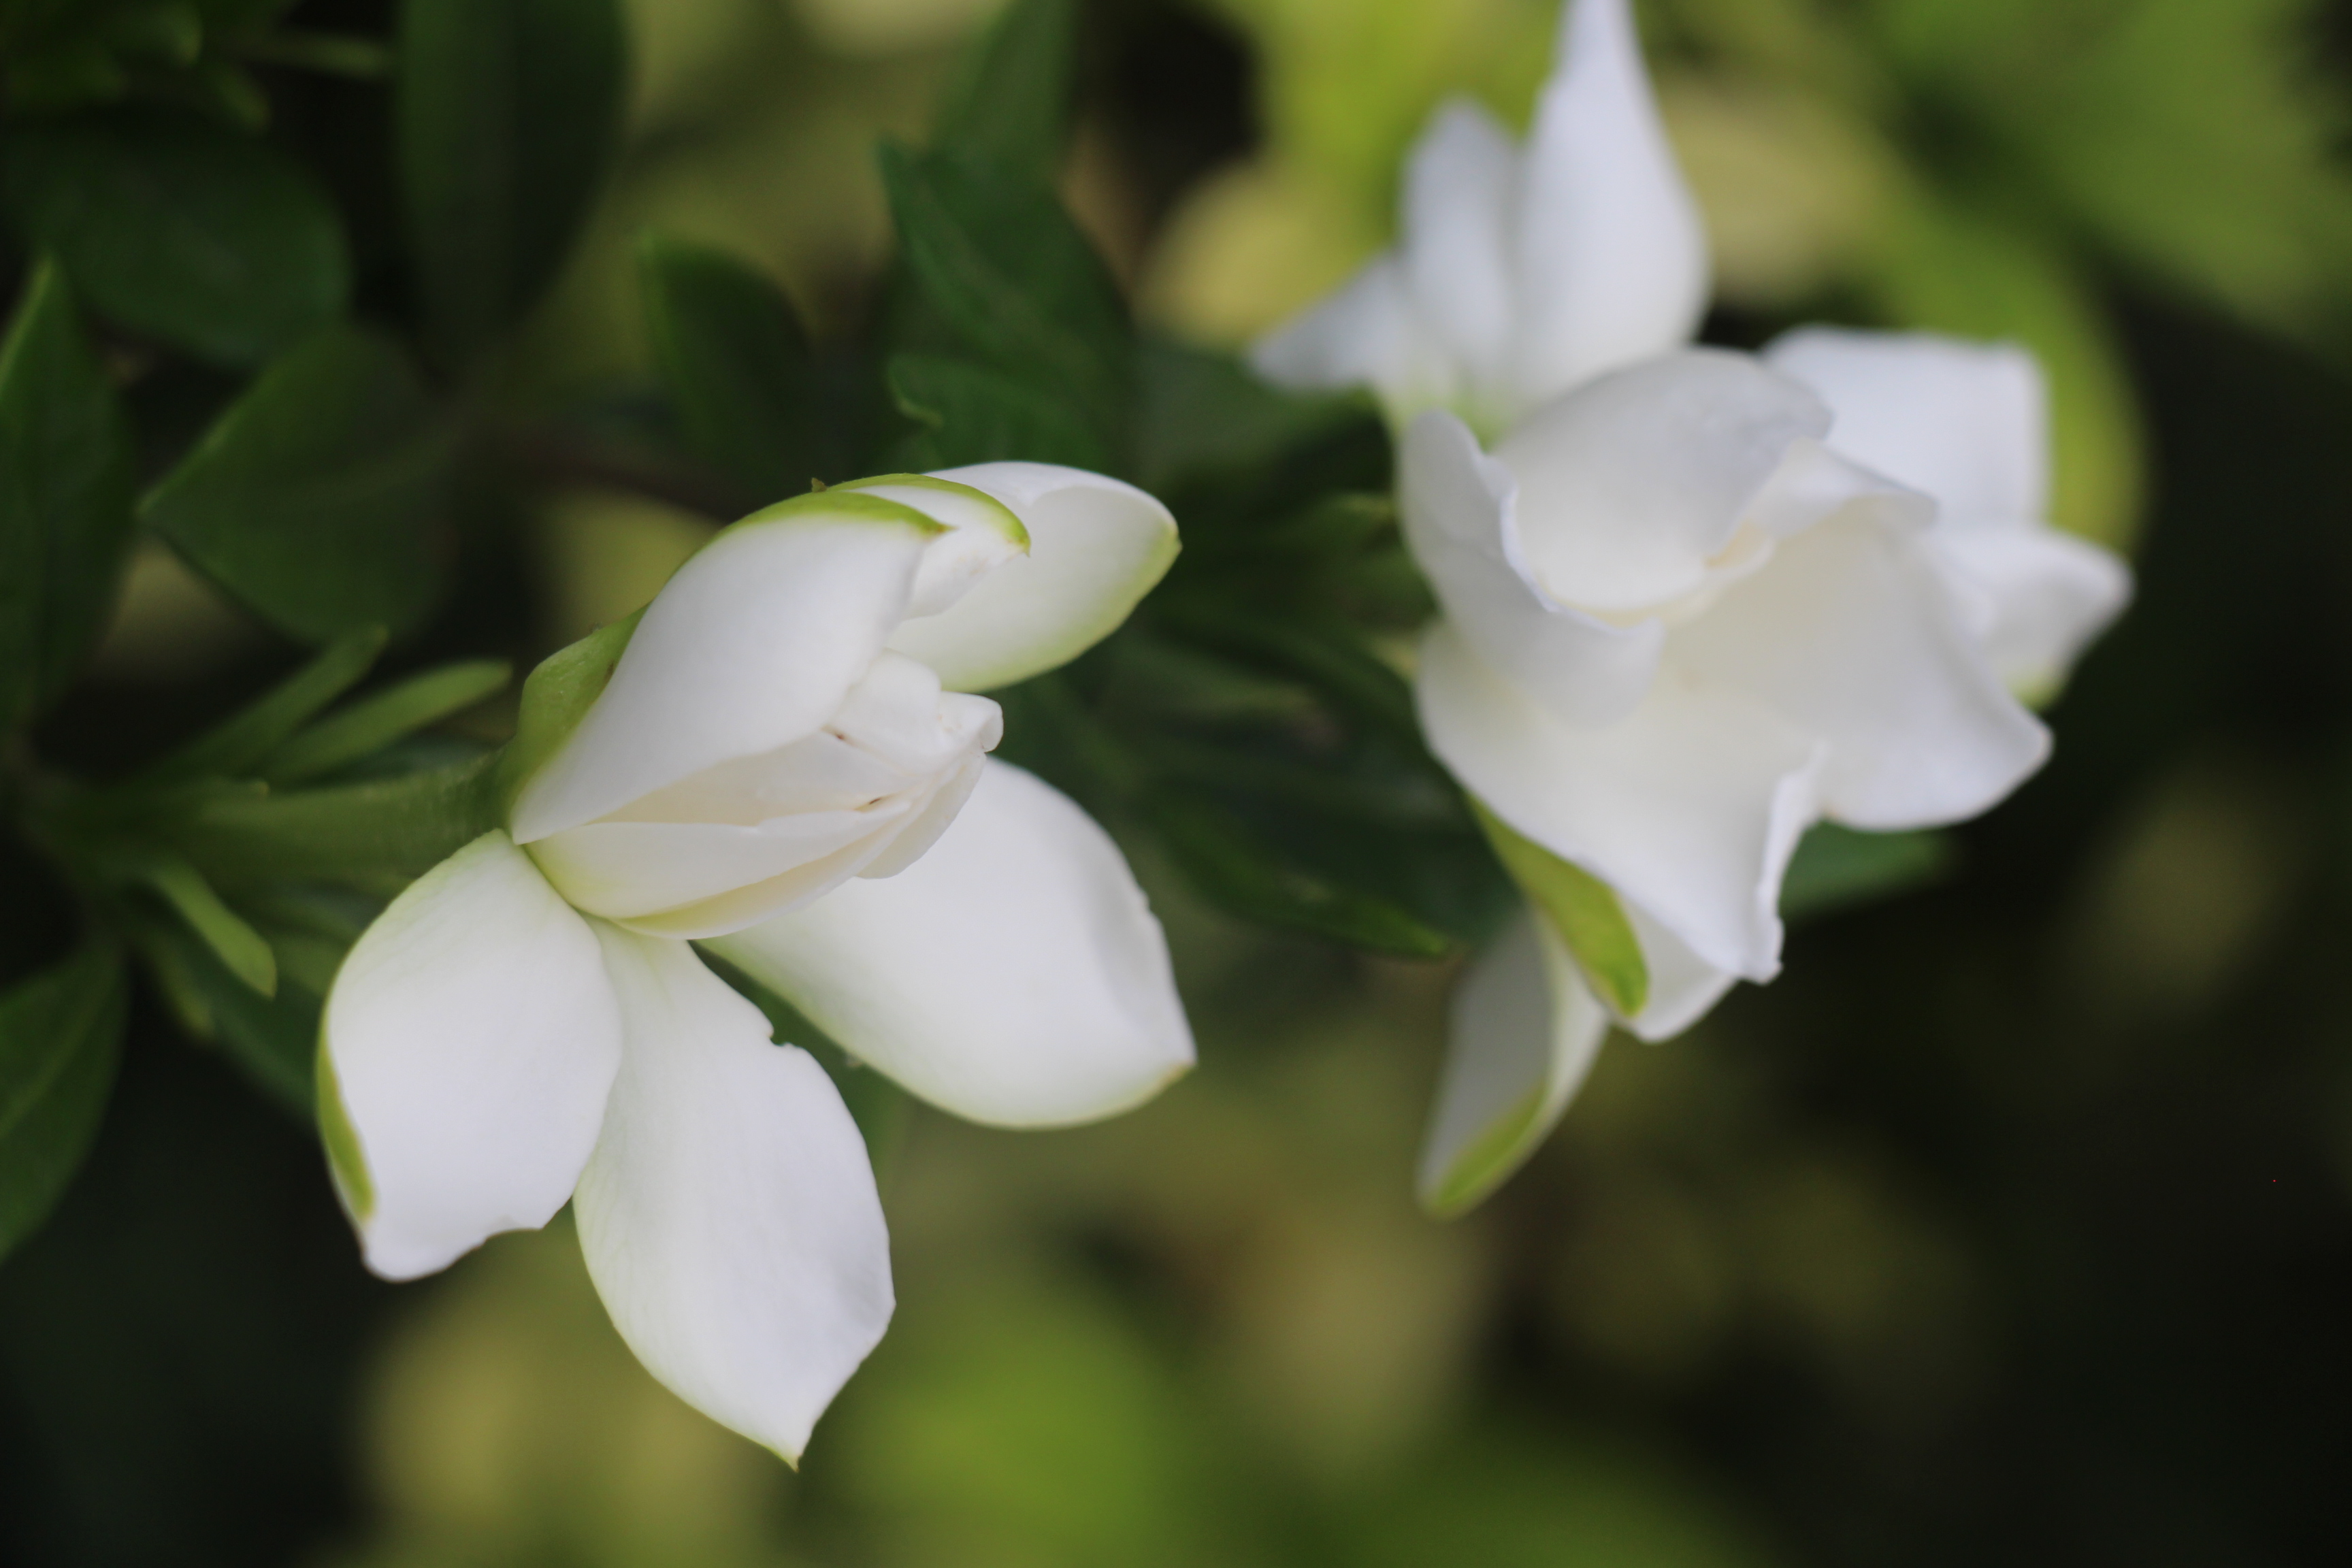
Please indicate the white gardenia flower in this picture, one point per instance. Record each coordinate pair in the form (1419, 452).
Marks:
(781, 756)
(1519, 272)
(1678, 629)
(1680, 626)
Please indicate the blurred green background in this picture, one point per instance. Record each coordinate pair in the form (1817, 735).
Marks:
(2013, 1223)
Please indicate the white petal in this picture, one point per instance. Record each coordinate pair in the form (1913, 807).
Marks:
(1683, 986)
(752, 645)
(1853, 638)
(1631, 486)
(1369, 333)
(729, 1215)
(1964, 423)
(982, 534)
(1689, 808)
(1461, 522)
(468, 1043)
(626, 870)
(1013, 974)
(1096, 547)
(1524, 1032)
(1612, 256)
(2046, 595)
(1459, 195)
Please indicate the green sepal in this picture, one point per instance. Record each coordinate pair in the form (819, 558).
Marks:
(61, 1039)
(345, 1162)
(1583, 910)
(556, 695)
(1487, 1160)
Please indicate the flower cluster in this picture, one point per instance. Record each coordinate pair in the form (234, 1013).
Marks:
(1694, 602)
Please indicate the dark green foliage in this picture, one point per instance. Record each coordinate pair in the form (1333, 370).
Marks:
(508, 113)
(741, 376)
(1011, 101)
(970, 414)
(60, 1035)
(65, 499)
(175, 227)
(313, 499)
(999, 260)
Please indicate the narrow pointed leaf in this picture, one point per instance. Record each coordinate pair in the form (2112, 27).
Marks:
(313, 499)
(65, 498)
(368, 726)
(60, 1038)
(235, 747)
(237, 946)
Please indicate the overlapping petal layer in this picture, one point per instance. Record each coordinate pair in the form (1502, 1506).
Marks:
(1523, 1033)
(729, 1215)
(468, 1043)
(1013, 974)
(1096, 547)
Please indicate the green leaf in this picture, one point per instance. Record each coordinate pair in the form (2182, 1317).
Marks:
(975, 414)
(1010, 102)
(556, 695)
(1583, 908)
(376, 837)
(1009, 273)
(736, 360)
(60, 1038)
(177, 226)
(312, 500)
(368, 726)
(66, 490)
(507, 115)
(225, 933)
(270, 1039)
(1251, 877)
(1836, 868)
(1205, 412)
(234, 748)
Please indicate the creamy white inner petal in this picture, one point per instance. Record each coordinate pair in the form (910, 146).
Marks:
(872, 788)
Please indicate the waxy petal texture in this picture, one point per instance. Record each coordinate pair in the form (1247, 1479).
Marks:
(1461, 518)
(1524, 1031)
(1612, 253)
(469, 1042)
(1013, 976)
(729, 1215)
(1096, 547)
(1854, 639)
(1633, 487)
(1689, 807)
(1966, 424)
(1519, 274)
(752, 645)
